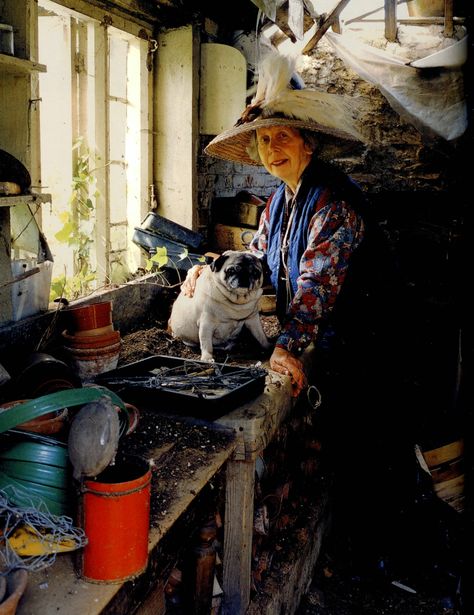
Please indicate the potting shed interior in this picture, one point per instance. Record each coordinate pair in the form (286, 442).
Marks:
(167, 500)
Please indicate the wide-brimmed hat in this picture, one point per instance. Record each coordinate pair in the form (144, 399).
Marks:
(277, 104)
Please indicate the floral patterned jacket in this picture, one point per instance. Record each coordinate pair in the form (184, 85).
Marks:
(323, 231)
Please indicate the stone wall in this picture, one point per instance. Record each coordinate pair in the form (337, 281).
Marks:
(224, 179)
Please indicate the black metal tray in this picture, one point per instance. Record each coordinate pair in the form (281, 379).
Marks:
(172, 385)
(155, 223)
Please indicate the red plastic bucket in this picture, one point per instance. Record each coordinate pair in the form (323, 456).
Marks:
(115, 515)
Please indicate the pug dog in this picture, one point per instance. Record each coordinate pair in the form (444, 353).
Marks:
(225, 300)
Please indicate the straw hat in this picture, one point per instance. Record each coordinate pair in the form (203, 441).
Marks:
(276, 104)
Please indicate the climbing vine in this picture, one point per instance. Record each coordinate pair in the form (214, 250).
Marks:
(78, 228)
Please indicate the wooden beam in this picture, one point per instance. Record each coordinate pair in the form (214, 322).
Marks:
(390, 20)
(6, 310)
(238, 531)
(448, 18)
(324, 27)
(281, 20)
(336, 26)
(205, 562)
(412, 21)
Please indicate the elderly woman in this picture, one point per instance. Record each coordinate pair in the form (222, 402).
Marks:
(311, 224)
(308, 232)
(335, 280)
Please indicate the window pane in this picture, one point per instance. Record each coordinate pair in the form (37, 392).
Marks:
(118, 66)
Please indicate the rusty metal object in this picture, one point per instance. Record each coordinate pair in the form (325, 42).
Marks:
(48, 424)
(9, 188)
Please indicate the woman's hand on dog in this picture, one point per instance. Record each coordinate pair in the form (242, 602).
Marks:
(283, 362)
(189, 284)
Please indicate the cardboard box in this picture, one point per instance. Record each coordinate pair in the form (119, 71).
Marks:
(244, 210)
(228, 237)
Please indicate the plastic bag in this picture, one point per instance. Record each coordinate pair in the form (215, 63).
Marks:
(432, 100)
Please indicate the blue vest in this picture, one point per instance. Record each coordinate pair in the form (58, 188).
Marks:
(299, 233)
(317, 177)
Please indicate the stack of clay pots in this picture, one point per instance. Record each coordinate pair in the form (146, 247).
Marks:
(91, 341)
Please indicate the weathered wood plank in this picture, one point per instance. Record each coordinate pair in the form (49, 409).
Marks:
(258, 420)
(238, 529)
(11, 64)
(154, 603)
(391, 20)
(124, 14)
(448, 18)
(282, 593)
(11, 201)
(6, 310)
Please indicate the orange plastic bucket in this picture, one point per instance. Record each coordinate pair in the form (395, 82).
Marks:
(115, 515)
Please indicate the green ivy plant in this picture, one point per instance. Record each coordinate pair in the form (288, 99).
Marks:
(158, 261)
(78, 231)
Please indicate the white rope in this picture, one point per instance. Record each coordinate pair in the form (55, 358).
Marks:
(48, 529)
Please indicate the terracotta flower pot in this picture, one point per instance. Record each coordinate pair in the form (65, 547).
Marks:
(91, 316)
(94, 332)
(48, 424)
(95, 351)
(89, 362)
(91, 341)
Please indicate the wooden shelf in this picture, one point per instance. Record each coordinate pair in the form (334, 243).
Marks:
(12, 64)
(17, 199)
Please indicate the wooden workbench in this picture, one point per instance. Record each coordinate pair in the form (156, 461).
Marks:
(257, 422)
(249, 428)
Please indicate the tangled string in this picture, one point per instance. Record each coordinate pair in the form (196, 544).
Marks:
(48, 531)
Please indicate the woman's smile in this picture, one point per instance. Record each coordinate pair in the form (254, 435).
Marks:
(284, 153)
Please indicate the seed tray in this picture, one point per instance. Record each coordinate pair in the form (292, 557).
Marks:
(173, 385)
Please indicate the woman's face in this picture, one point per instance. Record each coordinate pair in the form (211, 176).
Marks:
(283, 153)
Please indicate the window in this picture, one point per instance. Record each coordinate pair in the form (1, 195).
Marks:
(95, 146)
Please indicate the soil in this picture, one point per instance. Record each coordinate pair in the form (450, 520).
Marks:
(163, 439)
(158, 341)
(174, 434)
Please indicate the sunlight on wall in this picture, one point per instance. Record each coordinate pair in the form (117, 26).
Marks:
(56, 128)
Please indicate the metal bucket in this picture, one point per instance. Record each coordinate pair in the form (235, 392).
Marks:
(425, 8)
(114, 512)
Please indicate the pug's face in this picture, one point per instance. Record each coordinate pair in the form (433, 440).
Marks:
(239, 272)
